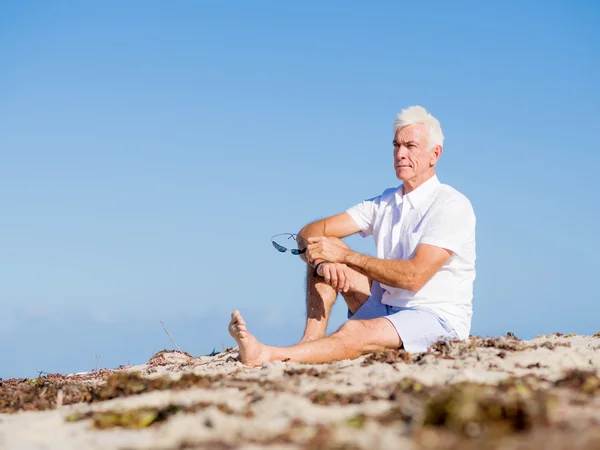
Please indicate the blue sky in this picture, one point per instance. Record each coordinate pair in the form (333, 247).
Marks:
(149, 150)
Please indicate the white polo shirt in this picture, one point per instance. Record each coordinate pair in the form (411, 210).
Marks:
(434, 214)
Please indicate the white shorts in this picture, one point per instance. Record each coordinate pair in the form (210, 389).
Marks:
(418, 327)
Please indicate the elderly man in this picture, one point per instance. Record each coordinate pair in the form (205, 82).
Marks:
(418, 289)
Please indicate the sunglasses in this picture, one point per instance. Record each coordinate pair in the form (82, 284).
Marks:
(282, 249)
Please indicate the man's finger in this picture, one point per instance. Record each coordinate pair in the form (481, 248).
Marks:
(334, 279)
(312, 246)
(347, 285)
(311, 255)
(326, 273)
(341, 280)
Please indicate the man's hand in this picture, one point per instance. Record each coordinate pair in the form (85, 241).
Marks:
(325, 249)
(336, 275)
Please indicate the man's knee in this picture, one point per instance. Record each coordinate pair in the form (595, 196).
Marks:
(352, 333)
(369, 335)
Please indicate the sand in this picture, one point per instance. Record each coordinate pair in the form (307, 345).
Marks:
(484, 393)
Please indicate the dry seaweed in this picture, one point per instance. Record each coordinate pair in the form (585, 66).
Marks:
(551, 345)
(311, 371)
(159, 358)
(133, 419)
(388, 357)
(586, 381)
(140, 417)
(539, 438)
(473, 409)
(307, 437)
(40, 394)
(409, 386)
(460, 349)
(43, 393)
(507, 343)
(329, 398)
(453, 349)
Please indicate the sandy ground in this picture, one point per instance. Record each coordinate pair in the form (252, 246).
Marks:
(484, 393)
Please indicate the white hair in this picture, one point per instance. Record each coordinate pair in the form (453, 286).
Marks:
(419, 115)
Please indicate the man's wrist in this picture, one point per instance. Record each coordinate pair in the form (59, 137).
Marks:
(350, 258)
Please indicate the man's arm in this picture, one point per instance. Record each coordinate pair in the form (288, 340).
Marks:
(410, 274)
(339, 226)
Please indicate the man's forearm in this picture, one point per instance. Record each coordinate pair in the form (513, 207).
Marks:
(312, 229)
(397, 273)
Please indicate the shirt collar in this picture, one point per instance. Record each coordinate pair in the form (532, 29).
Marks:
(419, 195)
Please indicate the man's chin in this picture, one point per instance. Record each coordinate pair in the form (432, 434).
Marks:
(402, 176)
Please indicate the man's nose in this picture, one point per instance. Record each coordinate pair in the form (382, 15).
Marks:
(401, 151)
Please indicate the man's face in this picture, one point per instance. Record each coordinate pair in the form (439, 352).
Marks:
(411, 158)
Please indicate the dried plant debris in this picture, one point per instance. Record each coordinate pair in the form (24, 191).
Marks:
(468, 409)
(597, 335)
(409, 386)
(536, 365)
(395, 392)
(299, 435)
(586, 381)
(125, 384)
(473, 409)
(311, 371)
(453, 349)
(552, 345)
(160, 358)
(541, 438)
(42, 393)
(313, 437)
(325, 398)
(140, 417)
(460, 349)
(524, 385)
(471, 415)
(388, 357)
(508, 343)
(134, 419)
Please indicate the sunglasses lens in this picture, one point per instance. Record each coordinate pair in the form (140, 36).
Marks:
(278, 247)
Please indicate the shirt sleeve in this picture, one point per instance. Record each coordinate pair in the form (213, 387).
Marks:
(364, 215)
(450, 226)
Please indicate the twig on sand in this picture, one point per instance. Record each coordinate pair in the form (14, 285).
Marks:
(172, 340)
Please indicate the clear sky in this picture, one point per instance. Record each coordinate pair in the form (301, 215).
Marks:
(149, 150)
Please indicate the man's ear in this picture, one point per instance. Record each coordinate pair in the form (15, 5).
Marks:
(436, 152)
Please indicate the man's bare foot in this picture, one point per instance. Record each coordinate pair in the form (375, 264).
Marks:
(252, 352)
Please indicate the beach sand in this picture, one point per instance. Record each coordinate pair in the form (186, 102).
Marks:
(496, 393)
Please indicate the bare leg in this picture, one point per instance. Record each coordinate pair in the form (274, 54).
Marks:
(320, 297)
(354, 338)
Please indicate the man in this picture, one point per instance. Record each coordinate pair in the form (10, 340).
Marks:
(417, 290)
